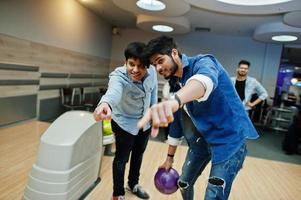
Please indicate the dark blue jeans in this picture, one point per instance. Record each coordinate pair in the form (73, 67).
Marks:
(198, 156)
(223, 174)
(127, 144)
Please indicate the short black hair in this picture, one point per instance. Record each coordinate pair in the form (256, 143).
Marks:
(161, 45)
(136, 50)
(244, 62)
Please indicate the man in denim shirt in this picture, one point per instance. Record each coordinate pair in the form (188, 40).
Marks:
(132, 90)
(218, 117)
(180, 128)
(246, 86)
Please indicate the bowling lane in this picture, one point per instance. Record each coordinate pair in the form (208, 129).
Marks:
(259, 179)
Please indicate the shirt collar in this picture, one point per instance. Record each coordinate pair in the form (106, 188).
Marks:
(185, 61)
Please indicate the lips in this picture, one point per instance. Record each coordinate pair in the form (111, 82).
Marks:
(136, 76)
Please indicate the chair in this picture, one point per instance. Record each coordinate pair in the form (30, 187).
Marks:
(88, 104)
(71, 99)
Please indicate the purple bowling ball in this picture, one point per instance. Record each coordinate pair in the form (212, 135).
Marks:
(166, 181)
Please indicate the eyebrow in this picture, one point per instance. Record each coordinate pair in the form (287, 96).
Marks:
(157, 58)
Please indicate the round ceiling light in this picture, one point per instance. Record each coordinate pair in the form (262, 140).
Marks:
(277, 32)
(167, 8)
(248, 7)
(284, 38)
(162, 28)
(174, 25)
(152, 5)
(253, 2)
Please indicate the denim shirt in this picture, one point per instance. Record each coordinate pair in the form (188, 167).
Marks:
(221, 118)
(252, 87)
(129, 99)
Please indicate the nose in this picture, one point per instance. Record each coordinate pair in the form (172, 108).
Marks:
(158, 68)
(136, 68)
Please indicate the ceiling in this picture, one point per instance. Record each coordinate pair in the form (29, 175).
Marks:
(207, 15)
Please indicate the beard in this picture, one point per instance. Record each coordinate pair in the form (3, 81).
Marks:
(173, 69)
(242, 74)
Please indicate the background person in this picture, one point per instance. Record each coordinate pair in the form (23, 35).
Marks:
(246, 86)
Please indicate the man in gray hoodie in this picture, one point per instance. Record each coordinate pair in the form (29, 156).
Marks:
(131, 91)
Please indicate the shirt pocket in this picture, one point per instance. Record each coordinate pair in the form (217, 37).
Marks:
(149, 89)
(135, 94)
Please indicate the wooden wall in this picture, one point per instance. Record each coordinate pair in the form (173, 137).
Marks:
(30, 68)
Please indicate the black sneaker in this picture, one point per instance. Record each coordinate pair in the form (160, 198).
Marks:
(138, 191)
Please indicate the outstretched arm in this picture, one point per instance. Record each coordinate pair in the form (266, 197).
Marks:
(109, 100)
(102, 112)
(162, 113)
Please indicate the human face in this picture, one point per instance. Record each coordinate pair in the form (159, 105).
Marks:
(136, 70)
(242, 70)
(165, 65)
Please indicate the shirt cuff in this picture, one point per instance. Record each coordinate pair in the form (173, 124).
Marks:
(174, 141)
(206, 82)
(263, 97)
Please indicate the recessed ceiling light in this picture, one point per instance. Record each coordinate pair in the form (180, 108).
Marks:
(162, 28)
(284, 38)
(152, 5)
(294, 81)
(253, 2)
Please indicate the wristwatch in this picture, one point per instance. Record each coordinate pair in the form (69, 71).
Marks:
(176, 97)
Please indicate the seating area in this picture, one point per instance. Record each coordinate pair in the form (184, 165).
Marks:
(76, 99)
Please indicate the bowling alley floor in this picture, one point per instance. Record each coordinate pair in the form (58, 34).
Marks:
(267, 146)
(260, 179)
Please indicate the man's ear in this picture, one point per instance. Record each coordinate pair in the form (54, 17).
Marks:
(174, 53)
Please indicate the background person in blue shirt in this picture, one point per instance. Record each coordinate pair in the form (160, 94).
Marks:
(246, 86)
(213, 107)
(132, 90)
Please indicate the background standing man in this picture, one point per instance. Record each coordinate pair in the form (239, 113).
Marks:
(246, 86)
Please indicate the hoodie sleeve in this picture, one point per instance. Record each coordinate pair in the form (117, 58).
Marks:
(154, 95)
(114, 92)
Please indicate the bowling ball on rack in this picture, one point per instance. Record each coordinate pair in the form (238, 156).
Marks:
(106, 127)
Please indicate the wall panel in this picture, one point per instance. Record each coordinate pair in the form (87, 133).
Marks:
(29, 68)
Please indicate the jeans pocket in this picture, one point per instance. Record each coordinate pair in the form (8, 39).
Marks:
(234, 164)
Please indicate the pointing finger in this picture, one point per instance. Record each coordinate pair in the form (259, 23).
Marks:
(145, 119)
(154, 132)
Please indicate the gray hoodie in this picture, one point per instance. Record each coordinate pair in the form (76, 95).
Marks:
(130, 100)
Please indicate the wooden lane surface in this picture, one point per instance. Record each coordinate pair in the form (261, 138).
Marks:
(259, 180)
